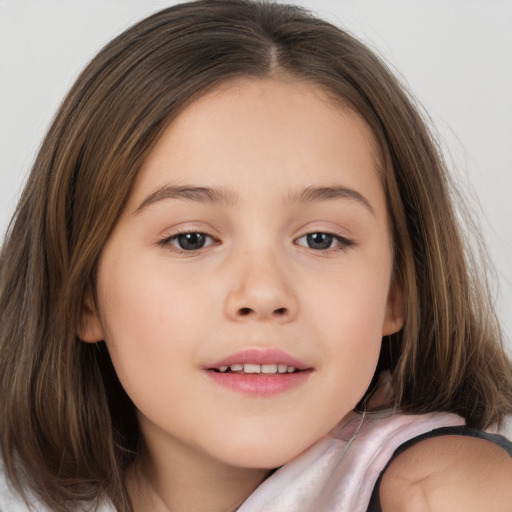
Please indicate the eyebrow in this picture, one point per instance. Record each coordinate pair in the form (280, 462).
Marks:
(225, 196)
(189, 193)
(318, 194)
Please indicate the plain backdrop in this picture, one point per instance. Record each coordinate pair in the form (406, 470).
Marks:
(454, 55)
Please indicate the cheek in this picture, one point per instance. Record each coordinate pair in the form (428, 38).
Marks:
(352, 303)
(151, 326)
(143, 302)
(352, 312)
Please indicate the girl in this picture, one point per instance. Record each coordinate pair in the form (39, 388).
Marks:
(235, 281)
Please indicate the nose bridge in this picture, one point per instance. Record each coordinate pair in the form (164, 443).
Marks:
(260, 287)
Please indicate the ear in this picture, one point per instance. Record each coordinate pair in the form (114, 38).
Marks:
(91, 328)
(394, 319)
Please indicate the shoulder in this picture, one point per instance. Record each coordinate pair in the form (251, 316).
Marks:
(449, 473)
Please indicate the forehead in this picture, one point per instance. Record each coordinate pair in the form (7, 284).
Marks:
(248, 133)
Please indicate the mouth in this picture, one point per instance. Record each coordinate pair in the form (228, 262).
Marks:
(267, 369)
(259, 372)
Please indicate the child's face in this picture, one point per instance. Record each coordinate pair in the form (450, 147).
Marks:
(288, 257)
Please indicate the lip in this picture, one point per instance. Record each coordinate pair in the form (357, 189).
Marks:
(258, 356)
(262, 385)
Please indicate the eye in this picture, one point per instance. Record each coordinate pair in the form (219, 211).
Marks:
(189, 242)
(323, 241)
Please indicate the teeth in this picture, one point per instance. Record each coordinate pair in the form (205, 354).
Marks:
(252, 368)
(256, 368)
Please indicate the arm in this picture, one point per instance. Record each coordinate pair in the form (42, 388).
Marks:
(449, 473)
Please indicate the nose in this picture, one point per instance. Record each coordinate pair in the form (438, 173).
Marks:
(260, 291)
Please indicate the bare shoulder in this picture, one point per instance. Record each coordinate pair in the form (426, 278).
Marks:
(449, 473)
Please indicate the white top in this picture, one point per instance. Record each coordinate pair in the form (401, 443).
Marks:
(337, 474)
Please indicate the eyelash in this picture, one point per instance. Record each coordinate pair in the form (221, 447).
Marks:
(343, 243)
(168, 242)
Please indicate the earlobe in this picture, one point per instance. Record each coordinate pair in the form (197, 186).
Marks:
(392, 324)
(394, 319)
(90, 329)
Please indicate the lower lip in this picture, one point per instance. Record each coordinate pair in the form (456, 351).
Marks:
(259, 384)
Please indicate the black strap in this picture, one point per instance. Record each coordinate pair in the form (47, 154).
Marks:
(501, 441)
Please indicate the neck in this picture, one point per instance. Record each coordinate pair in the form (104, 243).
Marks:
(182, 481)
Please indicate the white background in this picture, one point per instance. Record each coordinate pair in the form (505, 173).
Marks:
(455, 56)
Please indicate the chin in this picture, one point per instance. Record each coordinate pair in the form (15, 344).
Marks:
(269, 454)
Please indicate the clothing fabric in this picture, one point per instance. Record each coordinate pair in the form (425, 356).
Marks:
(337, 474)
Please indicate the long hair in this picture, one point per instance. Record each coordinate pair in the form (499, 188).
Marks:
(67, 428)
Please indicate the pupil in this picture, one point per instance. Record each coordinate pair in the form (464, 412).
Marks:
(319, 240)
(191, 241)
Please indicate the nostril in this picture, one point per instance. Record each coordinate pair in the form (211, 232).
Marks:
(279, 312)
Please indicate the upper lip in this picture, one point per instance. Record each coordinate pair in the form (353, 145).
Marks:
(261, 357)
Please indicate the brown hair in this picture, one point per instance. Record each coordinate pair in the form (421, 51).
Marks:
(67, 428)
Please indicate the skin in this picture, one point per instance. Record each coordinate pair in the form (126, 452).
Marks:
(167, 313)
(449, 474)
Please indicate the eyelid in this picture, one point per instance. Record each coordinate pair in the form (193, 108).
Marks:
(185, 227)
